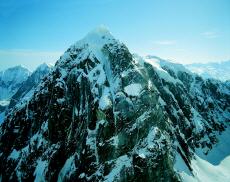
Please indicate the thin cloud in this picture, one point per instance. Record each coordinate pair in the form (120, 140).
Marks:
(165, 42)
(210, 34)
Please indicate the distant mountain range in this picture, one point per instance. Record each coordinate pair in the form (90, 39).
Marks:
(18, 84)
(216, 70)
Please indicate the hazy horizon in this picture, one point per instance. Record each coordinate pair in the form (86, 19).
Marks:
(32, 68)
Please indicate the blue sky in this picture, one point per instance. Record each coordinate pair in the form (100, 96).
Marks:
(186, 31)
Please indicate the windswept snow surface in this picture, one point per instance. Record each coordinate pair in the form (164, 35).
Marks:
(213, 167)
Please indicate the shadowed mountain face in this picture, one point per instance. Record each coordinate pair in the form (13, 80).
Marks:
(103, 114)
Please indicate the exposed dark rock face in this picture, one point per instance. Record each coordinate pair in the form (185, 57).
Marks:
(103, 114)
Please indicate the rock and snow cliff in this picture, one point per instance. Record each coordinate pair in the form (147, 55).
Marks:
(103, 114)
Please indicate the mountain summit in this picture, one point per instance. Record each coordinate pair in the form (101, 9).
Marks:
(103, 114)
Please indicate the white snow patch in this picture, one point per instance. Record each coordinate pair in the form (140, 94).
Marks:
(121, 163)
(40, 171)
(24, 100)
(14, 155)
(44, 126)
(97, 37)
(105, 101)
(133, 89)
(142, 155)
(82, 175)
(4, 103)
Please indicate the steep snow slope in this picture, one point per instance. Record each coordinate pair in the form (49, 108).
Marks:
(218, 71)
(103, 114)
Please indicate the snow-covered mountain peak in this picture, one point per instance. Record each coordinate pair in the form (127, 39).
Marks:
(18, 73)
(11, 79)
(96, 38)
(100, 30)
(44, 67)
(93, 46)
